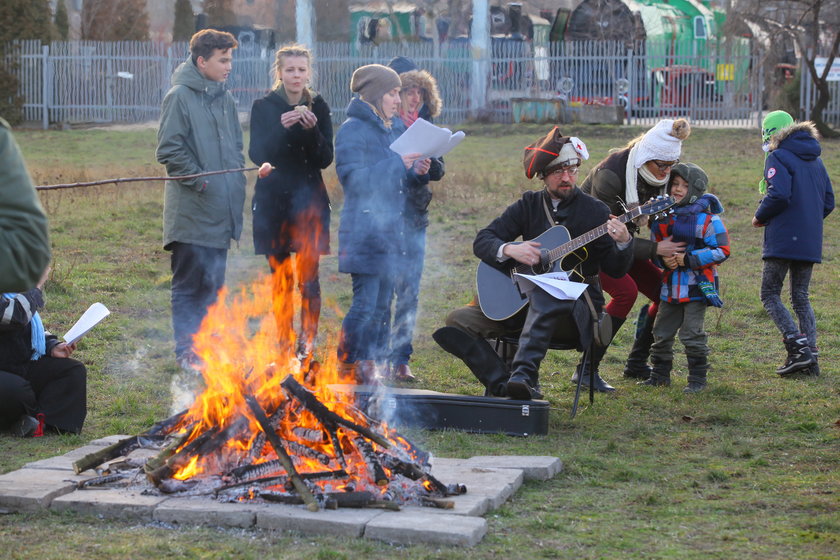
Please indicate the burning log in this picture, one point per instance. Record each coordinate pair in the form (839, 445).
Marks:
(164, 465)
(277, 478)
(284, 458)
(308, 434)
(307, 451)
(165, 426)
(378, 473)
(258, 470)
(325, 415)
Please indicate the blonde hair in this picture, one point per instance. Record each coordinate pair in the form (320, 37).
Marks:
(287, 51)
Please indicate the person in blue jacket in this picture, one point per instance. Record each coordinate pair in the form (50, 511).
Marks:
(798, 198)
(371, 233)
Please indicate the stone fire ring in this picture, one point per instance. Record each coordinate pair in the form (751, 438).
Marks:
(490, 481)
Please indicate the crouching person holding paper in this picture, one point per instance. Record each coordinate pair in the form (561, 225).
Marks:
(541, 318)
(41, 387)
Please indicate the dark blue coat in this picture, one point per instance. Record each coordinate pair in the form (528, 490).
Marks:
(799, 196)
(374, 180)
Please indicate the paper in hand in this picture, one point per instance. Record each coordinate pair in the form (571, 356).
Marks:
(422, 137)
(557, 284)
(87, 321)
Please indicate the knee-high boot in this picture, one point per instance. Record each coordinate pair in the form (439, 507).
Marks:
(479, 356)
(598, 352)
(544, 314)
(637, 366)
(697, 368)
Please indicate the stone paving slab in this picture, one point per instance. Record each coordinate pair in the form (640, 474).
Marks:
(416, 527)
(34, 489)
(535, 467)
(64, 462)
(497, 485)
(114, 503)
(202, 511)
(347, 522)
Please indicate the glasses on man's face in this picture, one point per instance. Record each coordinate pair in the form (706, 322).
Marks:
(663, 165)
(570, 170)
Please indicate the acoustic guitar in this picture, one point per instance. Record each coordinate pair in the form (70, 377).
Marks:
(499, 295)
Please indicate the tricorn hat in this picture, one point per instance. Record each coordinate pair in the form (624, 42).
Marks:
(549, 152)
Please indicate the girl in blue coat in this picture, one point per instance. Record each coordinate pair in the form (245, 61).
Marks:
(371, 234)
(799, 197)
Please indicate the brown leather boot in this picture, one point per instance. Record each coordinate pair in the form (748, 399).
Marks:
(366, 372)
(402, 372)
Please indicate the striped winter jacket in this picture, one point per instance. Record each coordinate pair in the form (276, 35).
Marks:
(707, 245)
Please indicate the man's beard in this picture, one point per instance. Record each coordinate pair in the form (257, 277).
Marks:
(563, 193)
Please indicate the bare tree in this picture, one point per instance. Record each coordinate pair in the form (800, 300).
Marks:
(814, 25)
(115, 20)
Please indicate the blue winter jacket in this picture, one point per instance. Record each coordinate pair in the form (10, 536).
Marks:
(707, 245)
(799, 196)
(374, 180)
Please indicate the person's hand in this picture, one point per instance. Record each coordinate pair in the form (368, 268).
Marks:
(617, 230)
(527, 252)
(44, 278)
(668, 247)
(673, 261)
(265, 170)
(756, 223)
(421, 166)
(308, 119)
(409, 159)
(62, 350)
(290, 118)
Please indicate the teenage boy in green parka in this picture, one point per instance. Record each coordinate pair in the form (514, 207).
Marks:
(200, 131)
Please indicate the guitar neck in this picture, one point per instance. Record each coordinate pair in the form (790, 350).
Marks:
(578, 242)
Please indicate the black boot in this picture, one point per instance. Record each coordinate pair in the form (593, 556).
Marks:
(660, 374)
(637, 366)
(697, 368)
(815, 367)
(544, 315)
(479, 356)
(594, 361)
(799, 355)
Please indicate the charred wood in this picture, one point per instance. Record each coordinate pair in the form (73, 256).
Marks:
(372, 461)
(100, 480)
(325, 415)
(437, 503)
(173, 485)
(165, 426)
(258, 470)
(282, 455)
(309, 434)
(310, 453)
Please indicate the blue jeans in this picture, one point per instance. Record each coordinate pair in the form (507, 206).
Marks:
(365, 326)
(198, 273)
(772, 280)
(407, 294)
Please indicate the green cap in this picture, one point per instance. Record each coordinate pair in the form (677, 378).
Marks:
(773, 123)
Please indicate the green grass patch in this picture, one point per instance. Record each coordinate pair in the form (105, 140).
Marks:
(746, 469)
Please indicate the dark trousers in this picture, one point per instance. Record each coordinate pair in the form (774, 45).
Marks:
(198, 273)
(54, 387)
(365, 326)
(772, 280)
(687, 319)
(407, 294)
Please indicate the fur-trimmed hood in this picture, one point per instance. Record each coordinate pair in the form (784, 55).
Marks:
(428, 85)
(785, 133)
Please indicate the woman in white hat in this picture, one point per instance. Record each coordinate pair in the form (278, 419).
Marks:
(622, 180)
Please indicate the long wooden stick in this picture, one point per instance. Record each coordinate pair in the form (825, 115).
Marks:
(139, 179)
(284, 458)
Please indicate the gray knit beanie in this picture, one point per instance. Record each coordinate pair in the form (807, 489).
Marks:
(373, 81)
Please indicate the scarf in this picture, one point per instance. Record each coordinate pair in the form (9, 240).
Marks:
(631, 173)
(39, 338)
(409, 118)
(305, 98)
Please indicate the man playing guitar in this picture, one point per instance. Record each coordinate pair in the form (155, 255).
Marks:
(556, 159)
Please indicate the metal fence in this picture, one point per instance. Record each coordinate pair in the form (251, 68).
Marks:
(125, 81)
(808, 96)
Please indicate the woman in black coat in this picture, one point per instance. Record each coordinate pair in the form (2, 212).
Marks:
(291, 129)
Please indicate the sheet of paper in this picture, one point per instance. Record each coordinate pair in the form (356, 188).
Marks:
(87, 321)
(422, 137)
(557, 284)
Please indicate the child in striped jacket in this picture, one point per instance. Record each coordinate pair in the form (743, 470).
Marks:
(690, 280)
